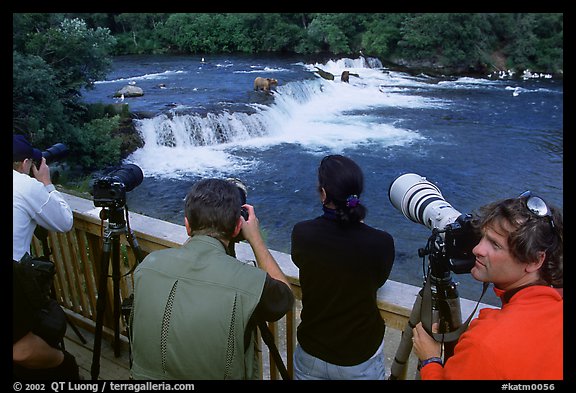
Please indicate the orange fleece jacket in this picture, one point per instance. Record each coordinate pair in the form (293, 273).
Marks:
(521, 341)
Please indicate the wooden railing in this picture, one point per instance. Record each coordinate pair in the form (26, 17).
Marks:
(78, 257)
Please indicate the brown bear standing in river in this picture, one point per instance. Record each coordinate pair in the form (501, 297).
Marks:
(264, 84)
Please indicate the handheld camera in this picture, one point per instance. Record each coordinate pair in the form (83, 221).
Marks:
(54, 153)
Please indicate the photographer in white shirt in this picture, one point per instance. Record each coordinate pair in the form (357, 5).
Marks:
(35, 199)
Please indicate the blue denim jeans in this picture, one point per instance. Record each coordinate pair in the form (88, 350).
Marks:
(308, 367)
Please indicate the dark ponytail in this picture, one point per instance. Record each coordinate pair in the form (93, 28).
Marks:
(343, 182)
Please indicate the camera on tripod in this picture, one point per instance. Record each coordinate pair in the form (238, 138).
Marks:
(449, 248)
(422, 202)
(110, 190)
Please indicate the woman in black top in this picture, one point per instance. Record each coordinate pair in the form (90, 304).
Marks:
(342, 264)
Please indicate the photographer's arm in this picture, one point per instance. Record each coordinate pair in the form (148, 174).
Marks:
(264, 259)
(51, 211)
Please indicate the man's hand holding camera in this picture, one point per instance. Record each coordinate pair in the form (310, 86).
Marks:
(265, 260)
(42, 172)
(250, 226)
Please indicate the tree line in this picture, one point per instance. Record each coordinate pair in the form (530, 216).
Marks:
(460, 41)
(56, 55)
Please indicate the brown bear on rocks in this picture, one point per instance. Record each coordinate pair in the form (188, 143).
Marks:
(264, 84)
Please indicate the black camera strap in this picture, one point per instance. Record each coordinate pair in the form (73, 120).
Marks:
(42, 234)
(268, 339)
(265, 332)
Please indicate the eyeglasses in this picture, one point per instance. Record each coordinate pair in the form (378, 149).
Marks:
(537, 206)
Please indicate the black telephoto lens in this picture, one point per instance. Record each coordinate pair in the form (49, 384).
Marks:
(55, 153)
(130, 175)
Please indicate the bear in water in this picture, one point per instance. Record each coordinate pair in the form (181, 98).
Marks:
(264, 84)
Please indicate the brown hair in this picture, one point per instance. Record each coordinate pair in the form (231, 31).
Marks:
(531, 234)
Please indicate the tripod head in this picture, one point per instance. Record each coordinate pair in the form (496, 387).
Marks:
(435, 249)
(115, 217)
(440, 299)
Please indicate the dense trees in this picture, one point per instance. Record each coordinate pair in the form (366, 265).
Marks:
(53, 58)
(55, 55)
(455, 41)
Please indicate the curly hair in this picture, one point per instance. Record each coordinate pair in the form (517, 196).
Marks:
(531, 234)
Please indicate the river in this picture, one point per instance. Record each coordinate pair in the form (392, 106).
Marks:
(478, 139)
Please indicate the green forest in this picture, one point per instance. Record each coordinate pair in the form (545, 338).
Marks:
(55, 55)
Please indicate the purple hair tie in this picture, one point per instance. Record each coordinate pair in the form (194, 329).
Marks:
(352, 201)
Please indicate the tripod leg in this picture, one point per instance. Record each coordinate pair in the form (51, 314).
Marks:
(400, 362)
(444, 307)
(450, 316)
(100, 306)
(75, 328)
(116, 282)
(138, 254)
(68, 320)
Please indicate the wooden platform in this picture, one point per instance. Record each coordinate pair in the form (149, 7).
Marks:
(111, 367)
(114, 368)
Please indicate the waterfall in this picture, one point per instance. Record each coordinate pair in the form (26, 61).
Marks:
(188, 130)
(307, 111)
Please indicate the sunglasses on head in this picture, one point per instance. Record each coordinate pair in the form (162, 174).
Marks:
(537, 206)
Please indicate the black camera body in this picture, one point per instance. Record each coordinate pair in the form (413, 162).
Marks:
(460, 238)
(244, 213)
(110, 190)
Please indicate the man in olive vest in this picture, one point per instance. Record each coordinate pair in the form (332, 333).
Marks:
(196, 307)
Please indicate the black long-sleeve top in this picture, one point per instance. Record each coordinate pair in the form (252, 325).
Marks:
(341, 268)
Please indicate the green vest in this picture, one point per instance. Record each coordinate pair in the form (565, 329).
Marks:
(191, 308)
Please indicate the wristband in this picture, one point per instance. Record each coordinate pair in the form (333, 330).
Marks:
(434, 359)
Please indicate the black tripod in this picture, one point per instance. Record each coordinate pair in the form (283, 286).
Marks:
(437, 301)
(111, 249)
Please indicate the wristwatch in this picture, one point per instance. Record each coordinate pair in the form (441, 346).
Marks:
(434, 359)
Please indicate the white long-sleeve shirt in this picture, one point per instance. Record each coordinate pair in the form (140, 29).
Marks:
(35, 204)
